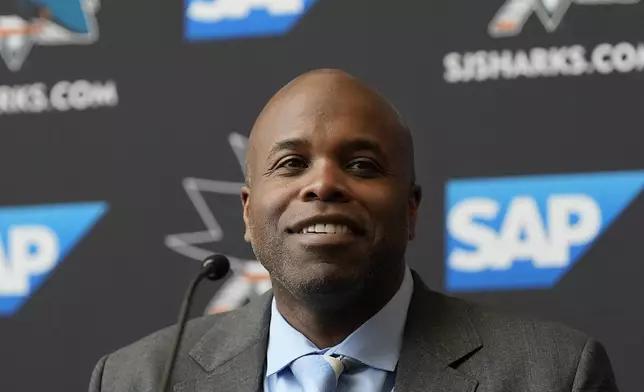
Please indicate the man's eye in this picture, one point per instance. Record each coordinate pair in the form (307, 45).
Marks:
(364, 167)
(292, 164)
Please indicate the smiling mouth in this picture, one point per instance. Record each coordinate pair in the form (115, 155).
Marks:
(322, 235)
(326, 228)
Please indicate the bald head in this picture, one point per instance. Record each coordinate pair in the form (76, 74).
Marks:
(329, 95)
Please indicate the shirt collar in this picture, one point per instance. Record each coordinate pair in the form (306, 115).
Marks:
(386, 327)
(285, 343)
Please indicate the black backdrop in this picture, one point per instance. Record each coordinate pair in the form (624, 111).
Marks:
(161, 149)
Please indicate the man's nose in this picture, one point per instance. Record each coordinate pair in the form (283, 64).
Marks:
(325, 182)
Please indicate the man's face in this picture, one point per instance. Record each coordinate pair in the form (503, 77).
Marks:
(330, 207)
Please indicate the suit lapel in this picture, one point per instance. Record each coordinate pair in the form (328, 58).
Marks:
(438, 334)
(242, 373)
(232, 354)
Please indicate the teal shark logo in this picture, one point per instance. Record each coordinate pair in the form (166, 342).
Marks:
(24, 23)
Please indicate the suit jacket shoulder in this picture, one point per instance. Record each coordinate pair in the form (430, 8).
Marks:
(208, 343)
(546, 355)
(142, 362)
(487, 349)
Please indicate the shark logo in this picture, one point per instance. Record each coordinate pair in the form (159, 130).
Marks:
(249, 279)
(513, 15)
(24, 23)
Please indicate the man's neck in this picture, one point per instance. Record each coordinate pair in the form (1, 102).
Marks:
(328, 326)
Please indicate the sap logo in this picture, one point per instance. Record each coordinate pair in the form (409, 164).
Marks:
(24, 23)
(221, 19)
(33, 240)
(523, 234)
(513, 15)
(527, 232)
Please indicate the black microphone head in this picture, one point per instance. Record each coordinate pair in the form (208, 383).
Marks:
(216, 266)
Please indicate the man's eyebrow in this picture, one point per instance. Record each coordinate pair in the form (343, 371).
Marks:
(362, 145)
(288, 144)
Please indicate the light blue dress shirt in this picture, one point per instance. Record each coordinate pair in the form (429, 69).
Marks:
(376, 344)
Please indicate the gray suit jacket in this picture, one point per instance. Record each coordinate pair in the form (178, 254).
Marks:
(449, 346)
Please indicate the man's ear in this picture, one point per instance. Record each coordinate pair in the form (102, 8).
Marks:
(245, 198)
(415, 196)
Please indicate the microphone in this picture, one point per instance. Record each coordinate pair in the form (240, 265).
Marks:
(214, 267)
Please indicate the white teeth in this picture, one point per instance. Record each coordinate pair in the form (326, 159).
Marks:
(329, 228)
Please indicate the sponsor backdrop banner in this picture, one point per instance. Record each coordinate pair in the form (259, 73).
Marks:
(123, 129)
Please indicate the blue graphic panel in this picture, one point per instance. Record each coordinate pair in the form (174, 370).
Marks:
(528, 232)
(227, 19)
(33, 241)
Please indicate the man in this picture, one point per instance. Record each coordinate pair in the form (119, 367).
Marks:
(330, 204)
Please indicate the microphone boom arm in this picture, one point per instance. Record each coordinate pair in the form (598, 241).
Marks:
(214, 267)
